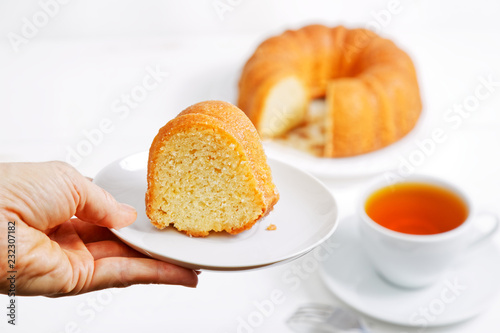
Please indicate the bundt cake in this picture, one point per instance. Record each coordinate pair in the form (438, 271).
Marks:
(371, 89)
(207, 171)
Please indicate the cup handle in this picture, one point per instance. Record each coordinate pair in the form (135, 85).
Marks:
(486, 235)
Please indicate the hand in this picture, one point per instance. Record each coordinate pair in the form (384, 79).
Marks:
(57, 254)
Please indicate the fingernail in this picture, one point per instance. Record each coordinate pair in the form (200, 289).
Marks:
(127, 208)
(128, 218)
(197, 272)
(191, 285)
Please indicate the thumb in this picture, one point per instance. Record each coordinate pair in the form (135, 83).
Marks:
(99, 207)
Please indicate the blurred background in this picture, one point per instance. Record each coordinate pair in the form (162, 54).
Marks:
(88, 82)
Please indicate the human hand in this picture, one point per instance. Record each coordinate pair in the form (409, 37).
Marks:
(57, 254)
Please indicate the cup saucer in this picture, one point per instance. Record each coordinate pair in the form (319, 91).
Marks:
(465, 290)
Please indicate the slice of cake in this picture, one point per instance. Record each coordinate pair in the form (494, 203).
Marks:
(207, 171)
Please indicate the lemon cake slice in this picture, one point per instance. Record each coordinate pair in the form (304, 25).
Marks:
(207, 171)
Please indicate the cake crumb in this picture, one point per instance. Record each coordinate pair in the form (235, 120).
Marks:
(271, 227)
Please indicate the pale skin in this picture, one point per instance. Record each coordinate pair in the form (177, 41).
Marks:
(58, 254)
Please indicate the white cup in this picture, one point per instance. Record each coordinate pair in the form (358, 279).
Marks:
(414, 261)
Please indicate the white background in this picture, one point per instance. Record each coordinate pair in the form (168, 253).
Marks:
(65, 79)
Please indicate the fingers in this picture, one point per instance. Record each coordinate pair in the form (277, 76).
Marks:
(45, 195)
(97, 206)
(90, 232)
(123, 272)
(105, 249)
(67, 238)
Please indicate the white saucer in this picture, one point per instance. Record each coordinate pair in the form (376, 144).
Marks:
(364, 165)
(305, 216)
(350, 276)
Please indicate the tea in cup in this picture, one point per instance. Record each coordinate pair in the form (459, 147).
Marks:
(414, 229)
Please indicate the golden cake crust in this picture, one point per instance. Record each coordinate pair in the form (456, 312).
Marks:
(232, 124)
(234, 121)
(353, 68)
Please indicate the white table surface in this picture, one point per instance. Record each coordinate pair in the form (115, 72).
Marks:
(55, 89)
